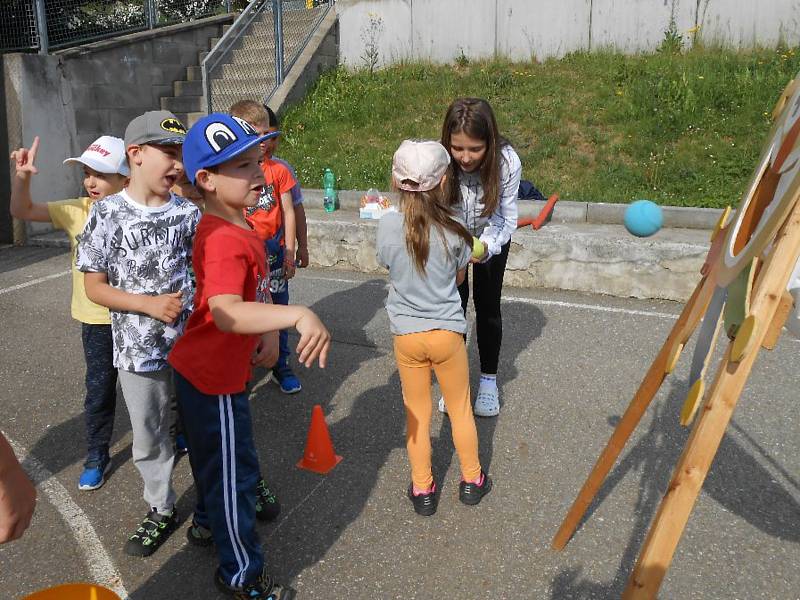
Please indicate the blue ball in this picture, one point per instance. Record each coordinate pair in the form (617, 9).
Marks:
(643, 218)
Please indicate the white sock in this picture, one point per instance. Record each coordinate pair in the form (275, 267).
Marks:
(488, 381)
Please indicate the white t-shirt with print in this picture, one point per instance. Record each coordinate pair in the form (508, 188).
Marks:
(143, 250)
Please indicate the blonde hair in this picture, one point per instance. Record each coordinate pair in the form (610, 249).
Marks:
(251, 111)
(423, 211)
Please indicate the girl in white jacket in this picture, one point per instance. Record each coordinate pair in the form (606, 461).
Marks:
(483, 181)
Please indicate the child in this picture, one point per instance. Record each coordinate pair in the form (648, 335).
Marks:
(135, 252)
(427, 252)
(105, 172)
(17, 495)
(483, 180)
(301, 257)
(274, 219)
(232, 318)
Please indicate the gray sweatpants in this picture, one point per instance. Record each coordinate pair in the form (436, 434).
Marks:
(148, 397)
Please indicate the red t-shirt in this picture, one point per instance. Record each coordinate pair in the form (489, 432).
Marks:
(227, 260)
(266, 217)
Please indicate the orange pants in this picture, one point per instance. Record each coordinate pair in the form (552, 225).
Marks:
(445, 353)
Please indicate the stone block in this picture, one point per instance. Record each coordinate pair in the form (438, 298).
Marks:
(92, 122)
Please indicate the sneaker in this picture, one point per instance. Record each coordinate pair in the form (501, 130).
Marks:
(424, 504)
(181, 447)
(286, 380)
(263, 588)
(472, 493)
(199, 535)
(442, 407)
(151, 533)
(267, 505)
(487, 404)
(94, 476)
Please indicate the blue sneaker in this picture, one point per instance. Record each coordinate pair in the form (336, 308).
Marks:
(94, 475)
(286, 380)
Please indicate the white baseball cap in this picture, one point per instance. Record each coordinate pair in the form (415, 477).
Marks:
(105, 155)
(419, 165)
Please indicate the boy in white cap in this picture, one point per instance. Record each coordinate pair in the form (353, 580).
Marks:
(135, 252)
(105, 171)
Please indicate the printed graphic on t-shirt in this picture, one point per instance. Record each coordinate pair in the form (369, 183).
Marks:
(142, 251)
(266, 200)
(262, 290)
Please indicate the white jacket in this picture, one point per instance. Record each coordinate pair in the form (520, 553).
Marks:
(496, 229)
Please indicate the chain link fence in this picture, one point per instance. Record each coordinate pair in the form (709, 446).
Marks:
(46, 25)
(250, 61)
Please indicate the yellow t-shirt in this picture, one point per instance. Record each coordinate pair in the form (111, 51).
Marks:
(71, 216)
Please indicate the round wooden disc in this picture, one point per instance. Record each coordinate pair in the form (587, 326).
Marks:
(742, 344)
(692, 401)
(672, 359)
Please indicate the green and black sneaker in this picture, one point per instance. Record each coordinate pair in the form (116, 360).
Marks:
(151, 533)
(267, 505)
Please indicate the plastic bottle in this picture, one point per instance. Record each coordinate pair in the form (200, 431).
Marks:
(329, 184)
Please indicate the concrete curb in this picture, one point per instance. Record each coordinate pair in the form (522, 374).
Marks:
(565, 211)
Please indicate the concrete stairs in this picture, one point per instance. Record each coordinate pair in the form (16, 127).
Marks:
(248, 71)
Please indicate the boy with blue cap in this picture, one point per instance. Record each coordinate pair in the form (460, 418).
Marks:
(234, 327)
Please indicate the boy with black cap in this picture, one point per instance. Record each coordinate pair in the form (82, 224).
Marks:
(135, 252)
(232, 328)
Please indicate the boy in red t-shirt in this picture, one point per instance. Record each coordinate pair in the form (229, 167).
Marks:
(274, 219)
(233, 328)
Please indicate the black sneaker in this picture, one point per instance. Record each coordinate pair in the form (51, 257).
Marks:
(267, 505)
(424, 504)
(472, 493)
(153, 530)
(199, 535)
(264, 588)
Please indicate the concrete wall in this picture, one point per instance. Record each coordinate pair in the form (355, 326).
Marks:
(72, 97)
(441, 30)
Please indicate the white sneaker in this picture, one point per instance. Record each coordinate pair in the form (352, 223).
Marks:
(487, 404)
(442, 407)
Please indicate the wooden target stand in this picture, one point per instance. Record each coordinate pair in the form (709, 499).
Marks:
(743, 285)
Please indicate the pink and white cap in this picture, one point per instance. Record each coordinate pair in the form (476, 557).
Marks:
(105, 155)
(419, 165)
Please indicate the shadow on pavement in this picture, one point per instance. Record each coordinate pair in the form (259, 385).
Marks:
(516, 339)
(736, 480)
(16, 257)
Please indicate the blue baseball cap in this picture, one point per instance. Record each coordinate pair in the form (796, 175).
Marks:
(216, 139)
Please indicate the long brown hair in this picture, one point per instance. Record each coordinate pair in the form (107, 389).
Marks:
(422, 212)
(474, 117)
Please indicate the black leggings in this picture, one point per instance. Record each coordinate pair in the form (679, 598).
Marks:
(487, 285)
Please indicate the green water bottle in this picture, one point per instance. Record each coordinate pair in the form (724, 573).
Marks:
(329, 185)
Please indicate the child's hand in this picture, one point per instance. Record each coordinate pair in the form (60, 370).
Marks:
(17, 502)
(315, 340)
(302, 257)
(288, 264)
(266, 354)
(24, 158)
(165, 307)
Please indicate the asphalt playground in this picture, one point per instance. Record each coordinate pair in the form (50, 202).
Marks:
(570, 365)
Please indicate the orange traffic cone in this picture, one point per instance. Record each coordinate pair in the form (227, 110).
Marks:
(319, 456)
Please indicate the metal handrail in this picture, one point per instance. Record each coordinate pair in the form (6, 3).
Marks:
(226, 42)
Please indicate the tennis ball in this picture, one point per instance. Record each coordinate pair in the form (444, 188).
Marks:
(643, 218)
(478, 248)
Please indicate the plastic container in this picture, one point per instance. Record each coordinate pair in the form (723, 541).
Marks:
(329, 201)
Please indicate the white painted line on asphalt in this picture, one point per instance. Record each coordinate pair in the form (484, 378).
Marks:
(20, 286)
(291, 512)
(538, 301)
(97, 559)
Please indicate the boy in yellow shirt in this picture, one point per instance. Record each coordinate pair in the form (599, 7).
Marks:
(105, 170)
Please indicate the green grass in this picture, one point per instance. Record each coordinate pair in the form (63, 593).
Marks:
(681, 129)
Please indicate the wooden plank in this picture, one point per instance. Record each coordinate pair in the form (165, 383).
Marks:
(781, 314)
(630, 419)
